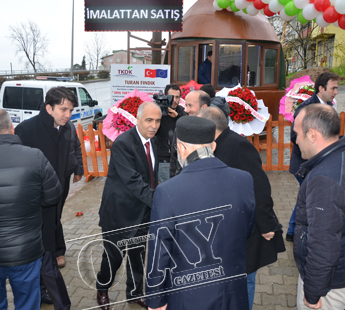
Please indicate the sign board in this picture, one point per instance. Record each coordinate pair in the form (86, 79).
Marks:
(133, 15)
(146, 78)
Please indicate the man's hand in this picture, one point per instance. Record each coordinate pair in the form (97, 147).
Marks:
(318, 305)
(269, 235)
(76, 178)
(172, 113)
(160, 308)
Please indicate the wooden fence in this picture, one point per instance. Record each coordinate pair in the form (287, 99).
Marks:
(99, 158)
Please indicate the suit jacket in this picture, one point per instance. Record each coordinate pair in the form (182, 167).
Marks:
(204, 184)
(39, 132)
(127, 192)
(237, 152)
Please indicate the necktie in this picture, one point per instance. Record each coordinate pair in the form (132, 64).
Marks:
(147, 145)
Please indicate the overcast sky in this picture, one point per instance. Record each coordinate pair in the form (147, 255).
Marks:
(54, 18)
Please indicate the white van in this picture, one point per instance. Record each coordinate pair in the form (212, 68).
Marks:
(23, 100)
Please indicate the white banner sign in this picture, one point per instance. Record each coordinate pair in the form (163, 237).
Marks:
(146, 78)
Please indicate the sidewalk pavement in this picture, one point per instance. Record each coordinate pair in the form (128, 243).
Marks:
(276, 284)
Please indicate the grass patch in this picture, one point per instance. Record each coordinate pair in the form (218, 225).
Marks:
(290, 75)
(341, 72)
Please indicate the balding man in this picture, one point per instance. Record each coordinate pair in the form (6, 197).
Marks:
(210, 210)
(127, 200)
(196, 100)
(27, 182)
(266, 239)
(319, 242)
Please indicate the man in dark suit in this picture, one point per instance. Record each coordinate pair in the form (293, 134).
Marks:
(326, 88)
(49, 132)
(127, 200)
(266, 239)
(210, 209)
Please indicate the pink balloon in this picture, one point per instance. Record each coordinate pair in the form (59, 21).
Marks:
(321, 5)
(330, 15)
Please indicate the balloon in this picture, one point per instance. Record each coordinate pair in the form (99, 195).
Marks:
(330, 15)
(258, 4)
(215, 5)
(266, 1)
(241, 4)
(245, 11)
(336, 24)
(251, 10)
(309, 12)
(290, 9)
(267, 11)
(275, 6)
(341, 22)
(223, 4)
(229, 8)
(320, 21)
(301, 18)
(285, 17)
(332, 2)
(340, 6)
(233, 6)
(301, 4)
(284, 2)
(321, 5)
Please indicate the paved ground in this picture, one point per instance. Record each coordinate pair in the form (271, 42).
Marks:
(276, 284)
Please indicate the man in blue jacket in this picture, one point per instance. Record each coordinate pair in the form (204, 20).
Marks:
(319, 242)
(197, 259)
(27, 182)
(326, 88)
(205, 69)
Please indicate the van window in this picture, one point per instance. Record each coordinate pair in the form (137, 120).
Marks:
(13, 97)
(23, 98)
(85, 98)
(32, 98)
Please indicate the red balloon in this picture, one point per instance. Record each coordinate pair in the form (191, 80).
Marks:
(258, 4)
(311, 1)
(267, 11)
(341, 22)
(321, 5)
(330, 15)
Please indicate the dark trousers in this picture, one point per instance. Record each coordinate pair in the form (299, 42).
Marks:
(112, 259)
(60, 239)
(52, 281)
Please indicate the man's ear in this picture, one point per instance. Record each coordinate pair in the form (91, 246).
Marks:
(49, 109)
(311, 134)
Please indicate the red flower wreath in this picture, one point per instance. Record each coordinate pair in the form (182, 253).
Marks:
(238, 113)
(131, 105)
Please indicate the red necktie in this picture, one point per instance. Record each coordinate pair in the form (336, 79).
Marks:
(147, 145)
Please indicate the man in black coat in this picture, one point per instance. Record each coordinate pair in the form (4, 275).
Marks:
(50, 133)
(266, 240)
(326, 88)
(27, 183)
(127, 200)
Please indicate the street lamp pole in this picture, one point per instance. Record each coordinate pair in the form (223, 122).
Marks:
(72, 39)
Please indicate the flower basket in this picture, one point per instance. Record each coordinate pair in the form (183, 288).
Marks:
(122, 116)
(248, 115)
(300, 90)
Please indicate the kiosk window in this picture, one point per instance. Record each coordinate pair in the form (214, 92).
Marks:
(186, 63)
(229, 65)
(270, 76)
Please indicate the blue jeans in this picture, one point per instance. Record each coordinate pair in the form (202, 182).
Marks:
(292, 222)
(251, 288)
(163, 172)
(25, 283)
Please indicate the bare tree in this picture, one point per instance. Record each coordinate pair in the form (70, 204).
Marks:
(95, 49)
(28, 39)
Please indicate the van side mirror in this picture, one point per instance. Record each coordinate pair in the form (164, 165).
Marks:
(93, 103)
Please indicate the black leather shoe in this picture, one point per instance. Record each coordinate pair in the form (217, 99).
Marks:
(289, 238)
(45, 299)
(103, 300)
(140, 302)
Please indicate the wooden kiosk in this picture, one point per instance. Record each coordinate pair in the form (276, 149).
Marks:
(245, 50)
